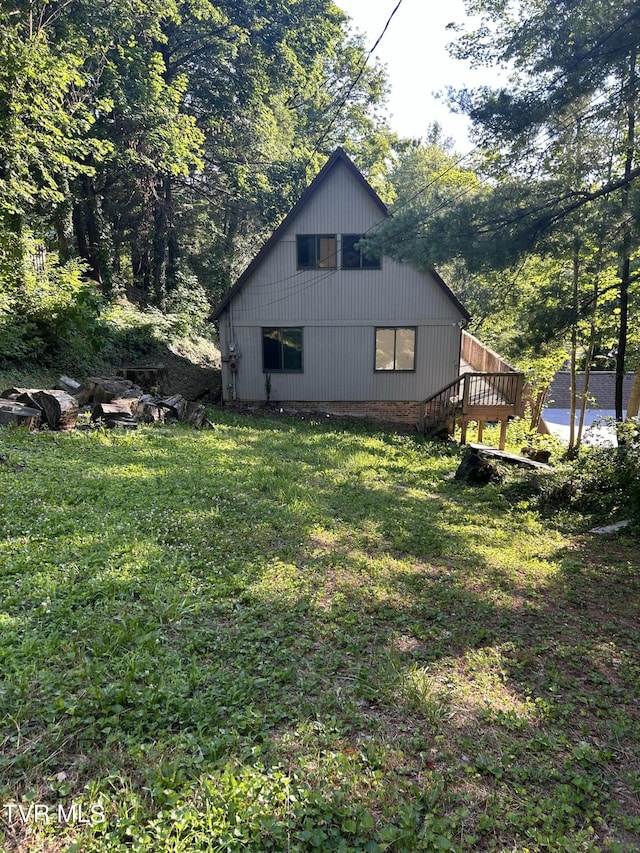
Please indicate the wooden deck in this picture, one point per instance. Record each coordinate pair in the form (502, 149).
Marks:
(473, 396)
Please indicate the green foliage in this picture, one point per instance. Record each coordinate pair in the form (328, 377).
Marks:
(156, 137)
(602, 482)
(187, 307)
(42, 123)
(51, 316)
(280, 635)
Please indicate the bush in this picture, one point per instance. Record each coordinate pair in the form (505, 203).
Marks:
(603, 481)
(50, 316)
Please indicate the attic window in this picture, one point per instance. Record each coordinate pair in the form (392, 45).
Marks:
(282, 350)
(353, 258)
(316, 251)
(395, 349)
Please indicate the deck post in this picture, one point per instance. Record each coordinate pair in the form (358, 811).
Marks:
(503, 433)
(463, 430)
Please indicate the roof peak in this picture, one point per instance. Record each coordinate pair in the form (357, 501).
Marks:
(338, 156)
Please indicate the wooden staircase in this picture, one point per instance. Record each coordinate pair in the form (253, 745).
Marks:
(473, 396)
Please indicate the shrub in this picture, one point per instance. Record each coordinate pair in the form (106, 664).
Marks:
(50, 315)
(601, 480)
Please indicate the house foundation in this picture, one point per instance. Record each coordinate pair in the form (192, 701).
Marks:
(396, 412)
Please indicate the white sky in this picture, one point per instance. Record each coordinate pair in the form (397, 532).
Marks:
(418, 65)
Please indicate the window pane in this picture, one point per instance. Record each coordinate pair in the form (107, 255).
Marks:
(385, 344)
(370, 263)
(405, 348)
(292, 349)
(326, 251)
(350, 255)
(306, 244)
(271, 349)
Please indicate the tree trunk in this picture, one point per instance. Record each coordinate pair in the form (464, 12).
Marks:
(141, 268)
(63, 224)
(634, 397)
(98, 389)
(159, 260)
(574, 344)
(625, 255)
(59, 409)
(13, 412)
(173, 246)
(92, 235)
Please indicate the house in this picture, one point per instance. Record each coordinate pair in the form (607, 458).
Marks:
(314, 323)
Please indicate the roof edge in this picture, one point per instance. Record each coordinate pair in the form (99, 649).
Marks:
(448, 292)
(338, 156)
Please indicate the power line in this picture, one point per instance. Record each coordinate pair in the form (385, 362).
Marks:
(353, 84)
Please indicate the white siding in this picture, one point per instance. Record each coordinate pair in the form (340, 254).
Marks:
(338, 311)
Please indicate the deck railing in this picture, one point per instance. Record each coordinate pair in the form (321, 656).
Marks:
(438, 411)
(492, 389)
(472, 396)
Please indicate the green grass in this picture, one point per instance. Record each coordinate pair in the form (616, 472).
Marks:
(278, 636)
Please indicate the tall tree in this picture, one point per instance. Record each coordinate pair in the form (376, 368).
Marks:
(564, 55)
(157, 136)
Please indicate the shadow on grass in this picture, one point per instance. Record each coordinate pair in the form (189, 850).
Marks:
(279, 637)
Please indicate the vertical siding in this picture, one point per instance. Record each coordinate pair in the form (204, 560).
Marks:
(280, 293)
(338, 311)
(339, 362)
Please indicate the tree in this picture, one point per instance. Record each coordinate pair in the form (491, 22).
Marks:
(563, 56)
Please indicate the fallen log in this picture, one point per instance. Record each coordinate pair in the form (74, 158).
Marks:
(151, 412)
(13, 412)
(59, 409)
(99, 389)
(25, 396)
(109, 411)
(174, 406)
(194, 414)
(510, 458)
(474, 470)
(66, 383)
(15, 392)
(132, 403)
(122, 422)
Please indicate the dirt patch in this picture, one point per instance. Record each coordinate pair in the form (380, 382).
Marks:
(199, 382)
(193, 373)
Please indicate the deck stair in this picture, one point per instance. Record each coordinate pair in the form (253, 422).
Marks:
(473, 396)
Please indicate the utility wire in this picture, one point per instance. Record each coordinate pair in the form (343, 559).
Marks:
(352, 85)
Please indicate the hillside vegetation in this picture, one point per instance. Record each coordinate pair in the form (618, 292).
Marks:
(304, 636)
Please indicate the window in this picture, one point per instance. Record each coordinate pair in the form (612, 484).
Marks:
(395, 349)
(353, 258)
(316, 251)
(282, 350)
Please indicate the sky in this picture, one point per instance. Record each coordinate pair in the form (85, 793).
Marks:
(418, 65)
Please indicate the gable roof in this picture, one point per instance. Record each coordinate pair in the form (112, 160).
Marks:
(338, 156)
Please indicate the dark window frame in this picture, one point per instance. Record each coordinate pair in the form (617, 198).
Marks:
(363, 262)
(282, 352)
(315, 262)
(395, 330)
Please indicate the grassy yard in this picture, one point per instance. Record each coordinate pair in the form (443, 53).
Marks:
(278, 636)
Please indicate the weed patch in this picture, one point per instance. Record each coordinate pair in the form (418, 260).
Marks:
(296, 637)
